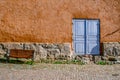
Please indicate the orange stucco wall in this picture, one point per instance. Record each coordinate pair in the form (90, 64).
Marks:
(51, 20)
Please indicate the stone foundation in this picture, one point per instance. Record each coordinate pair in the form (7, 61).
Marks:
(42, 51)
(111, 51)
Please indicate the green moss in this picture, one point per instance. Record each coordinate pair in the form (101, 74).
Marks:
(102, 63)
(68, 62)
(30, 62)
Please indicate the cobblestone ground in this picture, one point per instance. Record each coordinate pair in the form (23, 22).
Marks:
(59, 72)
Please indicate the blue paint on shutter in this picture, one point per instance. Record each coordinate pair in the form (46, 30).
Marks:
(86, 36)
(92, 37)
(79, 36)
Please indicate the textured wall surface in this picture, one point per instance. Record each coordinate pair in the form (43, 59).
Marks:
(51, 20)
(42, 50)
(112, 48)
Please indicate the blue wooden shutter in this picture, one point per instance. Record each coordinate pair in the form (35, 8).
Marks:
(79, 36)
(86, 36)
(92, 37)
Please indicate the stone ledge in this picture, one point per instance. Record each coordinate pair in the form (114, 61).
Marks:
(42, 50)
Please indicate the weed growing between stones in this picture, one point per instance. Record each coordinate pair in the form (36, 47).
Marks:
(63, 61)
(30, 62)
(17, 61)
(104, 63)
(101, 63)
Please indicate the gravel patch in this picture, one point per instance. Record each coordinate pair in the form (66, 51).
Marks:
(59, 72)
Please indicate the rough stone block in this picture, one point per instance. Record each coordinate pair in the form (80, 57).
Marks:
(65, 48)
(53, 53)
(2, 53)
(28, 46)
(96, 59)
(42, 52)
(50, 46)
(112, 49)
(13, 45)
(112, 58)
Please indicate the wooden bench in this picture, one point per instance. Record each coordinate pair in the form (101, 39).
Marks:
(19, 53)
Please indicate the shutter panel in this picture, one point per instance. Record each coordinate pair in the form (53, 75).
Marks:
(92, 37)
(86, 36)
(79, 36)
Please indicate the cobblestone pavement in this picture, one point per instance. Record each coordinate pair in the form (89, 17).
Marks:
(59, 72)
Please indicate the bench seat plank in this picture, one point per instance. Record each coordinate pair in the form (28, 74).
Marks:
(17, 53)
(20, 53)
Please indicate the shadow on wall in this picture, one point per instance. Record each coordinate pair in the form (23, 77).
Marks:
(101, 49)
(95, 49)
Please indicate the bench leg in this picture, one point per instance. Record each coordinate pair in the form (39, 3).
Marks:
(7, 59)
(32, 61)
